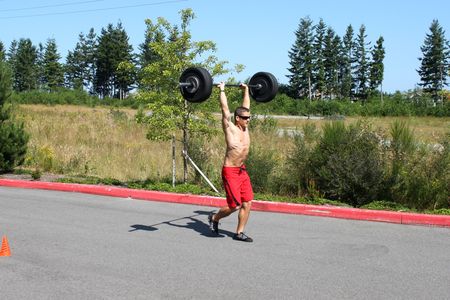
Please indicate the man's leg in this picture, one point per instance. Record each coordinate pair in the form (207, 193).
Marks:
(244, 213)
(223, 212)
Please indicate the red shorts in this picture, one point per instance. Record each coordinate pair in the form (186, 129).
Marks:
(237, 185)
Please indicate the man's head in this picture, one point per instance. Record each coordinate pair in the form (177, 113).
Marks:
(242, 116)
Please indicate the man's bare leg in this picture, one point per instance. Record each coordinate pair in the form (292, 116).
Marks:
(244, 213)
(223, 212)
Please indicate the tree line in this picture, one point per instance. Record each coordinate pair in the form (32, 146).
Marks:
(323, 65)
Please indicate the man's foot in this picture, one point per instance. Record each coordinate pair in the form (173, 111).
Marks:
(242, 237)
(213, 225)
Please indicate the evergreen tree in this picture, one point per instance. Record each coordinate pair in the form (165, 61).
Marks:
(11, 59)
(301, 60)
(40, 76)
(73, 70)
(319, 59)
(434, 68)
(147, 55)
(346, 65)
(2, 52)
(377, 66)
(52, 69)
(13, 138)
(331, 54)
(113, 49)
(80, 63)
(25, 68)
(361, 64)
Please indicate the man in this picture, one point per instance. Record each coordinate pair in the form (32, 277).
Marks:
(236, 181)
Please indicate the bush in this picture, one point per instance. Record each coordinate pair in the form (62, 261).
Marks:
(422, 178)
(348, 164)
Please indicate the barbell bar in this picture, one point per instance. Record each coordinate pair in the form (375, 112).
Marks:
(196, 85)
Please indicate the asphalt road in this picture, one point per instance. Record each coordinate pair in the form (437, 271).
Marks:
(76, 246)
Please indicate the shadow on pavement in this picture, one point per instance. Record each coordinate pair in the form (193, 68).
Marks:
(199, 225)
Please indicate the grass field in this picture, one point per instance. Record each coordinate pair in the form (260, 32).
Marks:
(108, 143)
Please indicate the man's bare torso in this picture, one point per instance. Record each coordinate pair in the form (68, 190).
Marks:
(238, 145)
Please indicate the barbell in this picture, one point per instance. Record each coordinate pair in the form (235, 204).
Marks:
(196, 85)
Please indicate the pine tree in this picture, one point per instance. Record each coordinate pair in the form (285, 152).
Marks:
(40, 76)
(319, 59)
(376, 65)
(2, 52)
(80, 63)
(301, 61)
(434, 68)
(147, 55)
(113, 49)
(361, 64)
(332, 59)
(346, 65)
(53, 74)
(25, 67)
(13, 138)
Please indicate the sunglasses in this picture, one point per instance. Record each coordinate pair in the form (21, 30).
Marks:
(244, 117)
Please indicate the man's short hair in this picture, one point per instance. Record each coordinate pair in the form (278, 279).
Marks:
(240, 110)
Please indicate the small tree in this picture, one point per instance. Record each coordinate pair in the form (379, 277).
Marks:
(53, 69)
(377, 66)
(170, 113)
(435, 61)
(13, 139)
(301, 61)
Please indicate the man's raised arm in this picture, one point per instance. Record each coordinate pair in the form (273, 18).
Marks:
(245, 96)
(224, 105)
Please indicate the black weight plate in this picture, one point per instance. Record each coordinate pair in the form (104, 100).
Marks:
(201, 84)
(268, 89)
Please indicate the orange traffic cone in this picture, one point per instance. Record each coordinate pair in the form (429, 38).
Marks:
(5, 251)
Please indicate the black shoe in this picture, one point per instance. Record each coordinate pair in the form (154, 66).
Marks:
(213, 224)
(242, 237)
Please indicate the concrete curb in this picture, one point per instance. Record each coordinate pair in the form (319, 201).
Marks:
(279, 207)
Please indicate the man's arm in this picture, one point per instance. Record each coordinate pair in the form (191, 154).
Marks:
(224, 106)
(245, 96)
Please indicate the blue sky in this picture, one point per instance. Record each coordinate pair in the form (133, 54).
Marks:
(257, 34)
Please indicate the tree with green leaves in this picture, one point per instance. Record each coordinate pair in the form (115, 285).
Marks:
(170, 114)
(434, 67)
(53, 72)
(361, 72)
(376, 69)
(301, 60)
(13, 138)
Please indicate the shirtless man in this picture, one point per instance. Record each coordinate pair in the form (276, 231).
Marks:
(236, 181)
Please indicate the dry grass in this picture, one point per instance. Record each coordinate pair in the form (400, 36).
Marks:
(426, 129)
(108, 143)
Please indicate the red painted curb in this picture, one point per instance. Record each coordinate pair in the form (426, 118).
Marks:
(279, 207)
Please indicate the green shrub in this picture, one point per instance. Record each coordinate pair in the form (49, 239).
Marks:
(13, 138)
(422, 179)
(348, 164)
